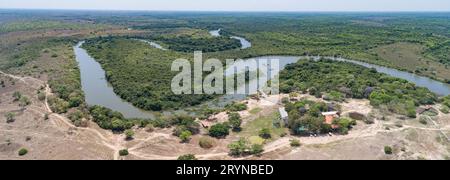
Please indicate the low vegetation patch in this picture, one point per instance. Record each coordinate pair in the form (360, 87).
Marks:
(123, 152)
(388, 150)
(295, 143)
(206, 142)
(235, 107)
(242, 147)
(187, 157)
(23, 152)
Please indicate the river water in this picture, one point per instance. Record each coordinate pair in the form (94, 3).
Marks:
(244, 42)
(99, 92)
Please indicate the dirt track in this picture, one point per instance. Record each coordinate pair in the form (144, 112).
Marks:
(94, 142)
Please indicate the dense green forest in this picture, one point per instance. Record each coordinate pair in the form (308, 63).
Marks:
(141, 74)
(358, 36)
(188, 44)
(352, 35)
(341, 79)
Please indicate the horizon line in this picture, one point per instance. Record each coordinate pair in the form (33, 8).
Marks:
(245, 11)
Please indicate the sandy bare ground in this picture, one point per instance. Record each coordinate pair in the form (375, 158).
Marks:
(108, 142)
(58, 138)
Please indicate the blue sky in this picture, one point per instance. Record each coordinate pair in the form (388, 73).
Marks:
(235, 5)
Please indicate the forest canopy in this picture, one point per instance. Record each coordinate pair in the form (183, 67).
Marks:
(327, 77)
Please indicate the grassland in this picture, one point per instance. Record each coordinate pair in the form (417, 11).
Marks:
(411, 57)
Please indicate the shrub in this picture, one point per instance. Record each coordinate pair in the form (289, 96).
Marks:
(411, 113)
(423, 120)
(160, 123)
(445, 109)
(295, 143)
(10, 117)
(239, 147)
(185, 123)
(285, 100)
(344, 125)
(265, 133)
(257, 149)
(75, 100)
(41, 96)
(108, 119)
(123, 152)
(24, 101)
(76, 116)
(16, 95)
(206, 142)
(187, 157)
(235, 121)
(23, 152)
(129, 134)
(234, 107)
(388, 150)
(219, 130)
(58, 105)
(446, 101)
(185, 136)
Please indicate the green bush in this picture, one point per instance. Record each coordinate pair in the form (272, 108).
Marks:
(265, 133)
(235, 121)
(411, 112)
(388, 150)
(75, 100)
(24, 101)
(423, 120)
(295, 143)
(239, 147)
(108, 119)
(187, 157)
(219, 130)
(16, 95)
(235, 107)
(123, 152)
(76, 115)
(445, 109)
(10, 117)
(23, 152)
(257, 149)
(129, 134)
(58, 105)
(185, 136)
(446, 101)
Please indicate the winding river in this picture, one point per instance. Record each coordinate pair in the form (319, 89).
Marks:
(244, 42)
(153, 44)
(99, 92)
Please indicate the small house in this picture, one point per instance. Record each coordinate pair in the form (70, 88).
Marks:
(330, 116)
